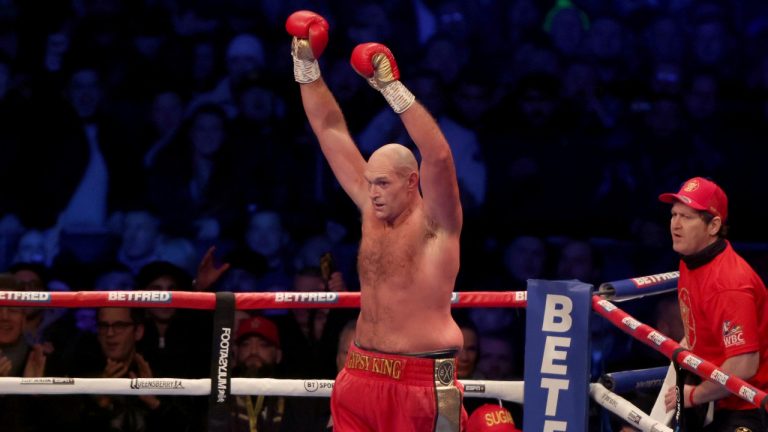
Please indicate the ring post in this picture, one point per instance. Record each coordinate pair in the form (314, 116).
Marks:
(557, 358)
(221, 364)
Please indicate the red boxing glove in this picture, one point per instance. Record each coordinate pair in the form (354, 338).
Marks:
(308, 25)
(376, 63)
(374, 60)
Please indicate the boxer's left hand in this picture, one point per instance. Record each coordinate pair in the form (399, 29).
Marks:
(376, 63)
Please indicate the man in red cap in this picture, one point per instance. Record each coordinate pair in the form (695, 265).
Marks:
(491, 418)
(257, 354)
(723, 303)
(257, 347)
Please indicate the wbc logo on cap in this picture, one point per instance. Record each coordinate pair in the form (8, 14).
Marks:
(691, 186)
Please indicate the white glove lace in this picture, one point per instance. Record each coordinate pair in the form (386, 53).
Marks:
(305, 71)
(398, 96)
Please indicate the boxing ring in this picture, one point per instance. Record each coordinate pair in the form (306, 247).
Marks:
(220, 386)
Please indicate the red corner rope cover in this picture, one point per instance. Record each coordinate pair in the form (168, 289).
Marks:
(243, 301)
(656, 340)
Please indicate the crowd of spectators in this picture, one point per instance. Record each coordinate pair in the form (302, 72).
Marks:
(141, 133)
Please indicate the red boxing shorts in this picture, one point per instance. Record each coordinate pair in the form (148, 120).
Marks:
(387, 392)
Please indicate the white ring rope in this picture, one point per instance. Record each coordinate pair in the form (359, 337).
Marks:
(511, 391)
(624, 409)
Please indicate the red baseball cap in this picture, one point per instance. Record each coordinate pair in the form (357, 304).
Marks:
(491, 418)
(258, 326)
(700, 194)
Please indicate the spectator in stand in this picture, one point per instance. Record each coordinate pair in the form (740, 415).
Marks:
(498, 360)
(245, 57)
(17, 358)
(36, 246)
(466, 368)
(665, 39)
(119, 332)
(175, 341)
(268, 236)
(87, 154)
(312, 333)
(263, 145)
(110, 276)
(524, 258)
(166, 115)
(258, 354)
(180, 251)
(141, 237)
(567, 26)
(191, 181)
(578, 259)
(497, 357)
(346, 338)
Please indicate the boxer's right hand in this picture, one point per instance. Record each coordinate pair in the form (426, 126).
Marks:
(310, 37)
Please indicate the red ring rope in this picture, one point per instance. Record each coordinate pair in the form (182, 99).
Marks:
(656, 340)
(244, 301)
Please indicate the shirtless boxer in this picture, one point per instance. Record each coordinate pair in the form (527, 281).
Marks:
(400, 372)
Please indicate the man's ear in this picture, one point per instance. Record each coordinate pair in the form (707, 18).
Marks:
(413, 180)
(138, 332)
(279, 356)
(714, 225)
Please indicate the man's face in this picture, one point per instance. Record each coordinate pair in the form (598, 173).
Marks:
(496, 359)
(524, 258)
(308, 283)
(163, 283)
(701, 101)
(257, 104)
(30, 280)
(11, 325)
(207, 134)
(85, 92)
(265, 234)
(467, 354)
(709, 43)
(690, 233)
(576, 261)
(118, 333)
(241, 65)
(140, 234)
(32, 247)
(567, 30)
(257, 354)
(606, 38)
(388, 191)
(167, 111)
